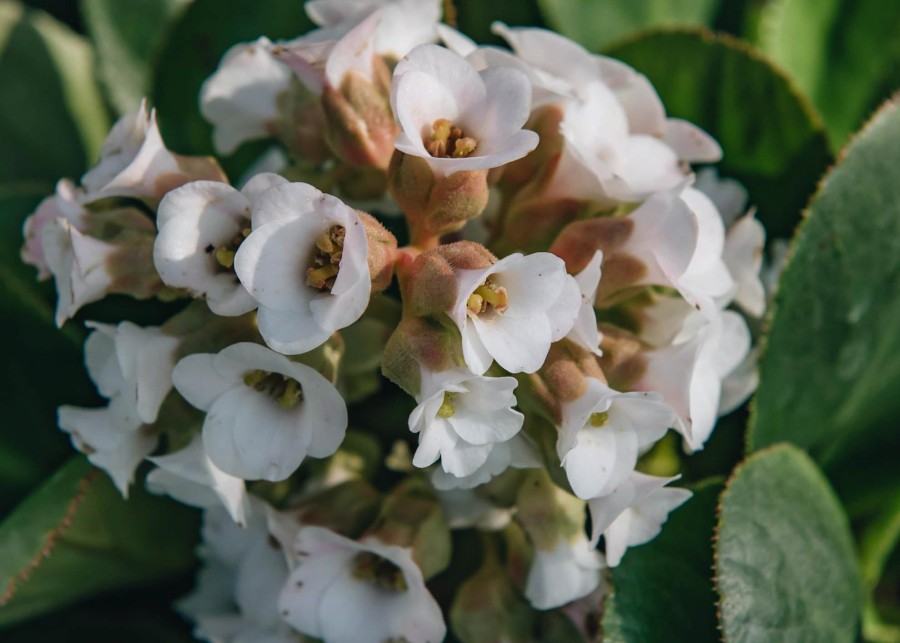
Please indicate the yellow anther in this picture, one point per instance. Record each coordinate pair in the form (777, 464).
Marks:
(599, 419)
(225, 257)
(447, 409)
(464, 147)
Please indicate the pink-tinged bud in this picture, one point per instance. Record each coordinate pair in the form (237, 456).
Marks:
(623, 360)
(360, 127)
(565, 369)
(411, 516)
(536, 169)
(435, 205)
(431, 283)
(420, 343)
(531, 226)
(382, 251)
(301, 128)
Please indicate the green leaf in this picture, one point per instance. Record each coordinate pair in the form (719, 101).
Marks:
(474, 17)
(42, 366)
(831, 369)
(839, 52)
(878, 541)
(128, 36)
(772, 140)
(663, 591)
(193, 50)
(599, 23)
(52, 119)
(75, 537)
(785, 565)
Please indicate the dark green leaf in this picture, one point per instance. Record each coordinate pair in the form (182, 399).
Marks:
(52, 119)
(831, 370)
(598, 23)
(474, 17)
(42, 366)
(663, 591)
(75, 537)
(785, 565)
(772, 140)
(840, 53)
(193, 50)
(127, 36)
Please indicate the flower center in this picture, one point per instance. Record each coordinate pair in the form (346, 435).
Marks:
(380, 571)
(449, 141)
(326, 263)
(447, 409)
(283, 389)
(598, 420)
(224, 254)
(489, 296)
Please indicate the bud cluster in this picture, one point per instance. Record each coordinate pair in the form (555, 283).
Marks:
(569, 293)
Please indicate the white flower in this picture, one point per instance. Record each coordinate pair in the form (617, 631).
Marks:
(567, 572)
(244, 569)
(241, 98)
(63, 203)
(201, 225)
(461, 418)
(132, 367)
(79, 265)
(728, 195)
(305, 263)
(265, 413)
(518, 452)
(134, 162)
(602, 434)
(457, 118)
(585, 332)
(634, 513)
(743, 252)
(689, 372)
(191, 477)
(513, 310)
(707, 276)
(344, 591)
(402, 24)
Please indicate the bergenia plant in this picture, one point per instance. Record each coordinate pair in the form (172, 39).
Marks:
(451, 340)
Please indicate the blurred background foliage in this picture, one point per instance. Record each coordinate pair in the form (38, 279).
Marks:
(782, 84)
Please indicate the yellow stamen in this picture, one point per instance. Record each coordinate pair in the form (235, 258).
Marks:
(599, 419)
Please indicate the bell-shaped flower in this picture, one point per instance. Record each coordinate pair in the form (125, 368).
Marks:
(192, 478)
(306, 264)
(201, 226)
(743, 253)
(689, 372)
(518, 453)
(462, 418)
(264, 412)
(568, 571)
(633, 513)
(132, 367)
(236, 596)
(603, 432)
(457, 118)
(513, 310)
(62, 204)
(402, 24)
(347, 591)
(242, 99)
(134, 162)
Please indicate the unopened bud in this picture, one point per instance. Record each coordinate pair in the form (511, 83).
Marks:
(412, 517)
(382, 251)
(420, 343)
(623, 360)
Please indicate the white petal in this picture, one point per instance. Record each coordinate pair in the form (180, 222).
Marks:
(199, 382)
(691, 143)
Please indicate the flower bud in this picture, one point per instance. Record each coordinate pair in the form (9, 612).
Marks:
(348, 508)
(360, 127)
(420, 343)
(431, 282)
(623, 359)
(382, 251)
(412, 517)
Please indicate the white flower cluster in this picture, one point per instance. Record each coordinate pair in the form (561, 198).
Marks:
(606, 307)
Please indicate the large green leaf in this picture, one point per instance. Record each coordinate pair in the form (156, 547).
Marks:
(75, 536)
(772, 140)
(192, 52)
(840, 53)
(785, 565)
(42, 366)
(831, 369)
(127, 36)
(663, 591)
(598, 23)
(52, 119)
